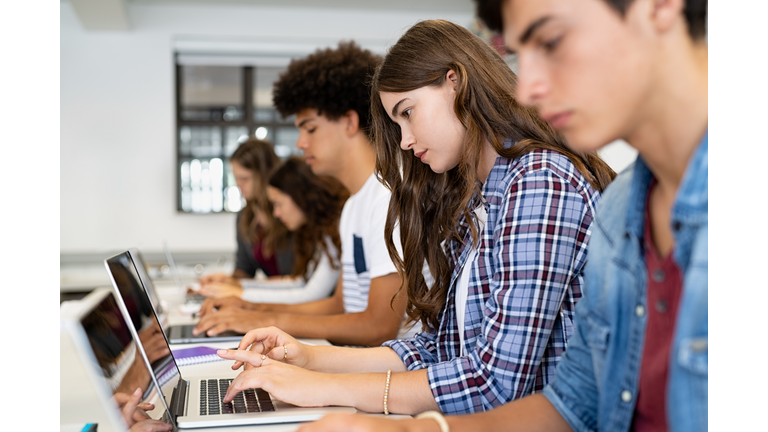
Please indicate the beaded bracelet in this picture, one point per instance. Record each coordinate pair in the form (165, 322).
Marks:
(386, 392)
(436, 416)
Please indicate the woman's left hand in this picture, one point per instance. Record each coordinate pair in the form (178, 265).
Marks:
(284, 382)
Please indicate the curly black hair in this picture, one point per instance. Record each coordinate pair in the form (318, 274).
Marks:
(333, 81)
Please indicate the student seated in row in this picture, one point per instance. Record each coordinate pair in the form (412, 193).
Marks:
(601, 70)
(328, 93)
(310, 207)
(263, 242)
(500, 210)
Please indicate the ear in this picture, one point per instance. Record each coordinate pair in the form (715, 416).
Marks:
(666, 14)
(451, 77)
(351, 122)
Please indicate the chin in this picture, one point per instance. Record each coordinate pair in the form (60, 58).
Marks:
(586, 140)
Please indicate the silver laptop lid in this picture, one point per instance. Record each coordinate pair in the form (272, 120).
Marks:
(95, 328)
(144, 325)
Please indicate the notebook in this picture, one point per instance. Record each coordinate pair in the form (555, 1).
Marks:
(196, 355)
(198, 402)
(98, 358)
(136, 285)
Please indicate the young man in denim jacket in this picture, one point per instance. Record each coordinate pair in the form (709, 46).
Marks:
(601, 70)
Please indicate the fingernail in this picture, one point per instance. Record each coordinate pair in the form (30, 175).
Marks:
(137, 392)
(221, 352)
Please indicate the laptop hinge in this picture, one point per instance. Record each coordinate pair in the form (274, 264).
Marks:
(179, 399)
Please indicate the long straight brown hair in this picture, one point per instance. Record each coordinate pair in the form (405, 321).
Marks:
(321, 199)
(258, 157)
(426, 205)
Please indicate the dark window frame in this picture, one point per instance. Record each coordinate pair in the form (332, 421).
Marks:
(248, 120)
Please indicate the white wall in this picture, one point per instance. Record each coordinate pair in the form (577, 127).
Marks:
(117, 113)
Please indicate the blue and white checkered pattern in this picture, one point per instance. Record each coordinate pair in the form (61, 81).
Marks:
(522, 291)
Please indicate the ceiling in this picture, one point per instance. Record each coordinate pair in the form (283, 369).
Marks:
(460, 6)
(112, 15)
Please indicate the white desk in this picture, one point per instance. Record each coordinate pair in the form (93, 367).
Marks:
(171, 299)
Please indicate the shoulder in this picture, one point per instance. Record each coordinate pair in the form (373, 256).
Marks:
(533, 173)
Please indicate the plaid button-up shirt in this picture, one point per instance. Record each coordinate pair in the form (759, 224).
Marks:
(523, 287)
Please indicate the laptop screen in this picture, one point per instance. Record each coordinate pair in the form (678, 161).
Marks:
(116, 352)
(151, 336)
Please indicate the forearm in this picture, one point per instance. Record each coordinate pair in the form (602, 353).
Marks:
(324, 306)
(409, 392)
(332, 359)
(362, 329)
(529, 414)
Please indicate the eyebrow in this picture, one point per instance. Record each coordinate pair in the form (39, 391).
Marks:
(304, 121)
(397, 105)
(528, 33)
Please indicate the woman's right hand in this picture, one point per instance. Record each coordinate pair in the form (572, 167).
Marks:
(275, 344)
(134, 413)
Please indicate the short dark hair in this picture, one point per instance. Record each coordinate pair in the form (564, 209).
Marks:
(333, 81)
(695, 11)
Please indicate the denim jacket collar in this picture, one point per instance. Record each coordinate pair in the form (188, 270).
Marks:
(691, 203)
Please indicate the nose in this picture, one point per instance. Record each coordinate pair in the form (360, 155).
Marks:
(407, 140)
(532, 84)
(302, 143)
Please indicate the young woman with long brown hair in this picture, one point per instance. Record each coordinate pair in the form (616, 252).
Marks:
(494, 209)
(310, 207)
(263, 242)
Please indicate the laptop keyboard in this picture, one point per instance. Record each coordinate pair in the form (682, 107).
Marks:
(212, 392)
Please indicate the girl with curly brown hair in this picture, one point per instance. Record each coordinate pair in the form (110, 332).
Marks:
(309, 206)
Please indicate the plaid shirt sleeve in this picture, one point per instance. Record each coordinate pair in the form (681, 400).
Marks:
(417, 352)
(537, 233)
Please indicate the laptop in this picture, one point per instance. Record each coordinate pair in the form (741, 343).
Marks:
(136, 288)
(196, 403)
(190, 297)
(98, 358)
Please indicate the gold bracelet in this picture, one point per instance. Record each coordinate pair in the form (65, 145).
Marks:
(386, 392)
(436, 416)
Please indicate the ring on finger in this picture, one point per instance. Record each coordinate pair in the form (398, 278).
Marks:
(285, 355)
(262, 359)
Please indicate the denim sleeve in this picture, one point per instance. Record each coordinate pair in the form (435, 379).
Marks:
(574, 391)
(417, 352)
(535, 241)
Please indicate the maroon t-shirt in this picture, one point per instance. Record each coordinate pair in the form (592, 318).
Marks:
(269, 265)
(663, 291)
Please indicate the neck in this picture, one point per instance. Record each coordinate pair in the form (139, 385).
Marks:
(357, 164)
(488, 156)
(675, 114)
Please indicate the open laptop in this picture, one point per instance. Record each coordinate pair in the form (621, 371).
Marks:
(197, 402)
(98, 358)
(190, 297)
(136, 288)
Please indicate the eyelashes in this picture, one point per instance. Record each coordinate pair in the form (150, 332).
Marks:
(551, 44)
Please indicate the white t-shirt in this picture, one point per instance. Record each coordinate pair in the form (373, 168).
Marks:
(364, 253)
(462, 289)
(320, 283)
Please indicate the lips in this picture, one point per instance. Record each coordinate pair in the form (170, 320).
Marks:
(557, 120)
(420, 155)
